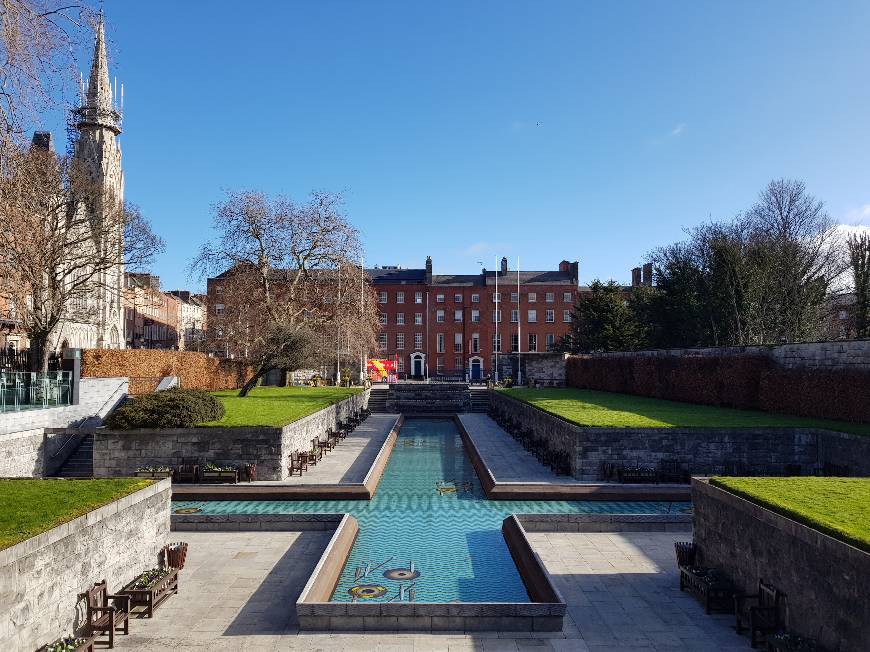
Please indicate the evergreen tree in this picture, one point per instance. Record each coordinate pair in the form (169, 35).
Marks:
(601, 320)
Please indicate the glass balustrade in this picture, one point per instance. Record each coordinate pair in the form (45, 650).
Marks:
(27, 390)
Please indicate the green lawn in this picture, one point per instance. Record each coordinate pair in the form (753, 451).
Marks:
(839, 507)
(28, 507)
(587, 407)
(277, 406)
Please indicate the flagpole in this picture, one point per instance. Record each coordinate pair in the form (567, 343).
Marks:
(519, 329)
(362, 303)
(338, 331)
(497, 315)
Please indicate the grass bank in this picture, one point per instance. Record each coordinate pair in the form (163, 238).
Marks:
(30, 507)
(839, 507)
(587, 407)
(277, 406)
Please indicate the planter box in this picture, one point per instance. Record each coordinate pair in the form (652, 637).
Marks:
(155, 475)
(152, 596)
(86, 646)
(225, 477)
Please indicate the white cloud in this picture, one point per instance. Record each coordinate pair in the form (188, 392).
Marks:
(676, 131)
(860, 215)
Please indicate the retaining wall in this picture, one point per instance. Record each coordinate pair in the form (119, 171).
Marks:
(40, 578)
(754, 451)
(121, 453)
(825, 580)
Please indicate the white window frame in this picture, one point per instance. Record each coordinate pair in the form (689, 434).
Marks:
(566, 316)
(475, 298)
(457, 316)
(532, 316)
(418, 319)
(550, 317)
(439, 343)
(439, 298)
(400, 341)
(418, 297)
(533, 297)
(400, 297)
(439, 316)
(550, 297)
(475, 316)
(400, 319)
(418, 341)
(383, 297)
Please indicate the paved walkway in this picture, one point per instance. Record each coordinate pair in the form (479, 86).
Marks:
(506, 458)
(350, 461)
(238, 592)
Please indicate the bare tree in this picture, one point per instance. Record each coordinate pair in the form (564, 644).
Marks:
(859, 260)
(61, 240)
(291, 284)
(37, 42)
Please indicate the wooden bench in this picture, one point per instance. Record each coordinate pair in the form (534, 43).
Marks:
(102, 617)
(187, 471)
(762, 618)
(715, 591)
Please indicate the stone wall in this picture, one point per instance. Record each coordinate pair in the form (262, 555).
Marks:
(847, 354)
(754, 451)
(546, 368)
(41, 578)
(121, 453)
(34, 453)
(825, 580)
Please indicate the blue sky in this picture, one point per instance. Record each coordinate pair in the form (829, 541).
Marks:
(471, 130)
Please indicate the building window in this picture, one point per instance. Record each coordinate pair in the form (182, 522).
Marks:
(551, 316)
(400, 341)
(515, 342)
(496, 297)
(551, 341)
(439, 365)
(496, 343)
(457, 342)
(439, 298)
(400, 297)
(418, 318)
(533, 316)
(496, 316)
(515, 316)
(457, 298)
(439, 316)
(475, 343)
(532, 297)
(218, 289)
(515, 296)
(382, 319)
(418, 340)
(533, 342)
(418, 297)
(457, 362)
(382, 297)
(400, 318)
(475, 316)
(567, 297)
(475, 298)
(457, 315)
(439, 343)
(218, 308)
(382, 341)
(566, 316)
(401, 365)
(551, 297)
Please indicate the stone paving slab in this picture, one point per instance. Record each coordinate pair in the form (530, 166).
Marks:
(238, 592)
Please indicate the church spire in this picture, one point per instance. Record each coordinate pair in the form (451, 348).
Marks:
(98, 103)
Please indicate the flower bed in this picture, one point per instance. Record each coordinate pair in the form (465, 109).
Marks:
(154, 472)
(151, 588)
(69, 644)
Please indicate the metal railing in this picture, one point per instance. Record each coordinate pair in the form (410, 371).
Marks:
(28, 390)
(20, 361)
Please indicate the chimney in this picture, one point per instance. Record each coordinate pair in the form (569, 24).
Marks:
(42, 140)
(564, 267)
(647, 278)
(504, 264)
(428, 270)
(575, 272)
(635, 277)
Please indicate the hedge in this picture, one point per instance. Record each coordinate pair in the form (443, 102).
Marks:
(173, 408)
(145, 368)
(752, 382)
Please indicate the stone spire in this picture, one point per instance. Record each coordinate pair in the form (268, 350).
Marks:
(99, 106)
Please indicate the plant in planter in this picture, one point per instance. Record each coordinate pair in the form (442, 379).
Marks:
(151, 588)
(70, 644)
(154, 471)
(212, 472)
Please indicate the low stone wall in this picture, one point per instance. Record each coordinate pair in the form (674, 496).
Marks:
(545, 368)
(121, 453)
(34, 453)
(40, 578)
(754, 451)
(825, 580)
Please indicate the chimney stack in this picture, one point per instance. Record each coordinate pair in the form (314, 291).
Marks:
(635, 277)
(564, 267)
(504, 265)
(43, 140)
(647, 278)
(428, 270)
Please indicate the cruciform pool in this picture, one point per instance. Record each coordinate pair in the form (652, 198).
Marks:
(429, 534)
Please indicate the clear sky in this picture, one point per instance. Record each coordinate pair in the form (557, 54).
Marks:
(471, 130)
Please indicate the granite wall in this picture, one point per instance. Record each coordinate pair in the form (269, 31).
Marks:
(825, 580)
(40, 578)
(121, 453)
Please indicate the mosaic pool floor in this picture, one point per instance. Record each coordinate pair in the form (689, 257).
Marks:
(429, 534)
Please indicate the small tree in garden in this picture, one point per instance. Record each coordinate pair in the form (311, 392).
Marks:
(291, 282)
(601, 321)
(859, 261)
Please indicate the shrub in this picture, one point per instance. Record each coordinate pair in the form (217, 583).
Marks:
(173, 408)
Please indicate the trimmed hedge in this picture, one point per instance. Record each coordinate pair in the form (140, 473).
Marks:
(173, 408)
(753, 382)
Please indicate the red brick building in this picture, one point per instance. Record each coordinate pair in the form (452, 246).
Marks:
(458, 324)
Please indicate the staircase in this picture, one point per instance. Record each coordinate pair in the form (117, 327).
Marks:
(429, 398)
(479, 399)
(378, 399)
(81, 463)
